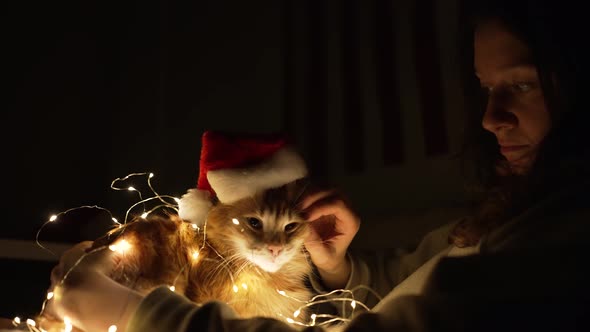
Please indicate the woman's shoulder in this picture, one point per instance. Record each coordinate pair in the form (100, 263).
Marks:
(562, 218)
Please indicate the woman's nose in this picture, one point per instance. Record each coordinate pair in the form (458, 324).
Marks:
(498, 116)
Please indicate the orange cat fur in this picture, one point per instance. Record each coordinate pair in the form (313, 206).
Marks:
(248, 251)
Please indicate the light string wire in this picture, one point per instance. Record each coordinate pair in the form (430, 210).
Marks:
(333, 296)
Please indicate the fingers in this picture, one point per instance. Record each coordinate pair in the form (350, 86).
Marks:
(313, 197)
(333, 205)
(68, 259)
(56, 274)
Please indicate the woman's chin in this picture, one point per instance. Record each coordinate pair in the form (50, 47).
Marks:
(520, 164)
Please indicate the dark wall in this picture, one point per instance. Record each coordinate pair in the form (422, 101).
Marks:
(102, 89)
(107, 88)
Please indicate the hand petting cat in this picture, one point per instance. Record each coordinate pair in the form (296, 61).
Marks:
(76, 297)
(334, 225)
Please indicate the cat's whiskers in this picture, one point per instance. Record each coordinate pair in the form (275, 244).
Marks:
(245, 264)
(227, 264)
(218, 269)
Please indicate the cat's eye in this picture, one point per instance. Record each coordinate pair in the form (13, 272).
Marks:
(255, 223)
(290, 227)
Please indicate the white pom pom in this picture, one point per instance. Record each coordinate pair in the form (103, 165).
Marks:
(194, 206)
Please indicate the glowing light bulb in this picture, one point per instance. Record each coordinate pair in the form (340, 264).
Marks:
(235, 289)
(196, 254)
(195, 226)
(244, 286)
(151, 175)
(235, 221)
(144, 215)
(172, 288)
(282, 292)
(291, 321)
(124, 246)
(68, 324)
(53, 217)
(49, 295)
(296, 313)
(115, 220)
(313, 317)
(16, 320)
(353, 304)
(131, 189)
(112, 328)
(121, 247)
(31, 322)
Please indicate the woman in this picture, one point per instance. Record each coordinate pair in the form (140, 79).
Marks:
(512, 264)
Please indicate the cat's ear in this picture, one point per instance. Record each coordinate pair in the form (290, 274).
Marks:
(194, 206)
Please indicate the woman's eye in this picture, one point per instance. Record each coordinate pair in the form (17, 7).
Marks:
(522, 87)
(255, 223)
(290, 227)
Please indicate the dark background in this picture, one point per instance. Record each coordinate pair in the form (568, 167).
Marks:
(367, 89)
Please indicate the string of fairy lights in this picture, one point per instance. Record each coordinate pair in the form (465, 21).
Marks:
(121, 247)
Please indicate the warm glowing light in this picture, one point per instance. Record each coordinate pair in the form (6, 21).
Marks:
(121, 247)
(16, 320)
(68, 324)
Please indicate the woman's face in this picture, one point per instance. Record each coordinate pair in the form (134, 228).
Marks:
(515, 113)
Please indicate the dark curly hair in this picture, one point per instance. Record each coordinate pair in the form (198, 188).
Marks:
(555, 34)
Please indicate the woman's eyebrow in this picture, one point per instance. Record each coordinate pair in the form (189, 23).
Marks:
(521, 68)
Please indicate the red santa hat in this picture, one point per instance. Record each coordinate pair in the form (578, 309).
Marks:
(236, 166)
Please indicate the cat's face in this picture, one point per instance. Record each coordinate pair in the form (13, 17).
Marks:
(267, 229)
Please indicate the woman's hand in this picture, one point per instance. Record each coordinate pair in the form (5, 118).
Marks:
(333, 226)
(85, 294)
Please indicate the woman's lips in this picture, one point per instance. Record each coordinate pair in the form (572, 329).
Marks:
(511, 148)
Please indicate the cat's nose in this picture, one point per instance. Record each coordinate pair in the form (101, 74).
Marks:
(275, 249)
